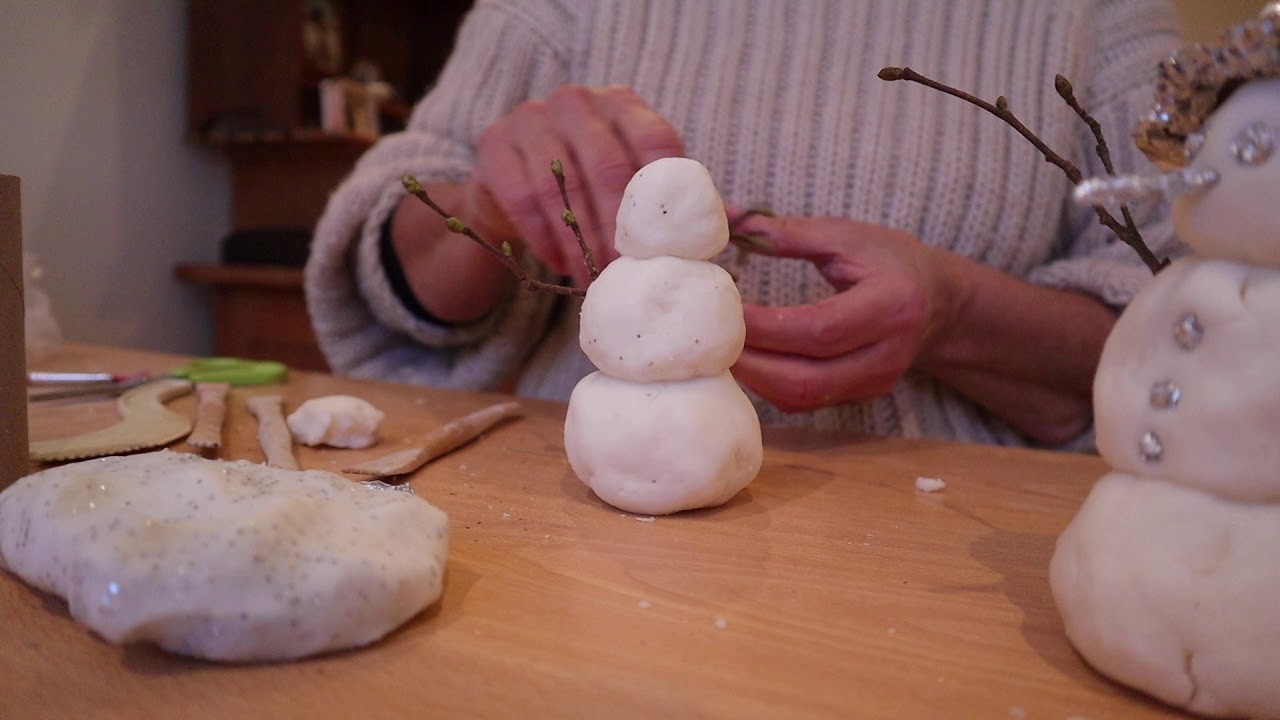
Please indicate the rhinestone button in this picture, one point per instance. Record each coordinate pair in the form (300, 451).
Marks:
(1253, 145)
(1165, 395)
(1188, 332)
(1194, 142)
(1150, 448)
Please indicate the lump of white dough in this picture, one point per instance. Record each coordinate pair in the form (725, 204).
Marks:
(229, 561)
(1237, 218)
(671, 207)
(336, 420)
(658, 448)
(1173, 591)
(1187, 387)
(662, 319)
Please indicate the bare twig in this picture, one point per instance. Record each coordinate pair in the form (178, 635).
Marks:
(1001, 110)
(504, 255)
(571, 220)
(1067, 93)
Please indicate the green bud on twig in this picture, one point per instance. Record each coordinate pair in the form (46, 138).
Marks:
(568, 217)
(1063, 87)
(557, 169)
(455, 225)
(411, 184)
(506, 249)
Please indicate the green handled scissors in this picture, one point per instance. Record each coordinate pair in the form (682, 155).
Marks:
(234, 371)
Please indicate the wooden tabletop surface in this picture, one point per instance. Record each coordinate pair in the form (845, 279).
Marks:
(830, 587)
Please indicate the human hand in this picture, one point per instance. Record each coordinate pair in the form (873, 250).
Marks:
(601, 136)
(891, 296)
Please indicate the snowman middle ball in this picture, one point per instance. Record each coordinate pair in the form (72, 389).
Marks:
(663, 318)
(658, 448)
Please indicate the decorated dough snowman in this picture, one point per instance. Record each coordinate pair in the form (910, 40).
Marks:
(1168, 578)
(663, 426)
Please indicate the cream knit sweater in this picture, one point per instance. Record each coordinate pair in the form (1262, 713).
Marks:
(780, 99)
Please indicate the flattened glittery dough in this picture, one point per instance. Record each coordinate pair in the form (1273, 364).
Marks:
(231, 561)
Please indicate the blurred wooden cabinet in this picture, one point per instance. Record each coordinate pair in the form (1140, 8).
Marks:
(259, 312)
(253, 89)
(255, 69)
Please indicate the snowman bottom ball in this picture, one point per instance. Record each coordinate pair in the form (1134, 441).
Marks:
(658, 448)
(1173, 591)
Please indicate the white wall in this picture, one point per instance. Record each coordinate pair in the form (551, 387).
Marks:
(93, 120)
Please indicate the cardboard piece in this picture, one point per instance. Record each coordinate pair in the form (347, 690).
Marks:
(14, 461)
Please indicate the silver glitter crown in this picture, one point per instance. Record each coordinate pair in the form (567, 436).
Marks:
(1193, 81)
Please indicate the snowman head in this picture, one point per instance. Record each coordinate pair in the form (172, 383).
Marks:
(671, 207)
(1215, 118)
(1238, 216)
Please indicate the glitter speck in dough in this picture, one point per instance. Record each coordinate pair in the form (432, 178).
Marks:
(230, 561)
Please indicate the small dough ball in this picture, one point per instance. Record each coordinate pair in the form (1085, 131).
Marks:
(1207, 396)
(1172, 590)
(336, 420)
(671, 207)
(1237, 218)
(229, 561)
(662, 319)
(658, 448)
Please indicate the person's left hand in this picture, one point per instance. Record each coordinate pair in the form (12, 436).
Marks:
(853, 346)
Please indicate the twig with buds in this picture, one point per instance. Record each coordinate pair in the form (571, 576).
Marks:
(504, 255)
(571, 220)
(746, 242)
(1128, 233)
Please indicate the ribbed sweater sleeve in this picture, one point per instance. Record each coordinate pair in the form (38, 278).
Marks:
(505, 54)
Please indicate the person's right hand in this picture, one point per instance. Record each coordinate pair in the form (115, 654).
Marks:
(601, 136)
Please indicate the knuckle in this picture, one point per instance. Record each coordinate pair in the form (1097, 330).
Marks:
(807, 390)
(547, 194)
(619, 94)
(613, 173)
(499, 133)
(570, 93)
(826, 333)
(522, 209)
(914, 308)
(658, 139)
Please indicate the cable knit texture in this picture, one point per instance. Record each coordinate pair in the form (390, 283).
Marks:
(780, 100)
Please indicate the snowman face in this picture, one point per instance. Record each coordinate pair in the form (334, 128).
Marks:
(1238, 218)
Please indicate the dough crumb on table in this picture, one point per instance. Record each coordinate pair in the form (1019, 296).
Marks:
(929, 484)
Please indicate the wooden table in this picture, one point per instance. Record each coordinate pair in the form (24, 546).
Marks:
(830, 587)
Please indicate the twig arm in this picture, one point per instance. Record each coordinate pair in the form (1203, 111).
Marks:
(503, 255)
(1001, 110)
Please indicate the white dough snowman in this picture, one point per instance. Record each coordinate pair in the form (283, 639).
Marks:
(1168, 578)
(663, 426)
